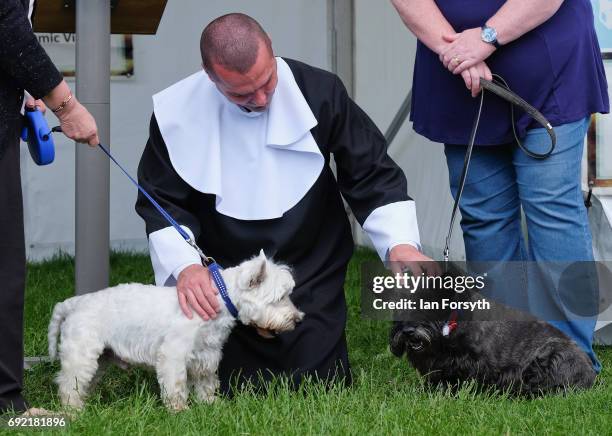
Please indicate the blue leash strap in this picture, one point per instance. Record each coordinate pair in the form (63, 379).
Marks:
(215, 270)
(160, 209)
(209, 262)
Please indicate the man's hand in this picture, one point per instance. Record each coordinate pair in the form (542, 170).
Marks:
(464, 50)
(405, 256)
(196, 291)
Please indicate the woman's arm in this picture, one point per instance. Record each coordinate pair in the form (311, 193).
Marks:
(425, 20)
(511, 21)
(517, 17)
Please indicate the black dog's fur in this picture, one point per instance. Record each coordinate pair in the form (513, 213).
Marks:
(527, 357)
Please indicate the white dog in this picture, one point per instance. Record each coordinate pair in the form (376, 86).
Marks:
(143, 324)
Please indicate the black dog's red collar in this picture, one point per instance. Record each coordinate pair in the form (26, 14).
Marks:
(451, 324)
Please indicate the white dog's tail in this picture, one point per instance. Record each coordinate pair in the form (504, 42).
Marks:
(60, 311)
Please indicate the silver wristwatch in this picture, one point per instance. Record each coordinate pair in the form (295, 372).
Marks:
(489, 35)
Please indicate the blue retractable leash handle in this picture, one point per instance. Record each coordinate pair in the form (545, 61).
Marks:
(38, 136)
(209, 262)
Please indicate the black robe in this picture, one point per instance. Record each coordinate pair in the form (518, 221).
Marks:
(314, 237)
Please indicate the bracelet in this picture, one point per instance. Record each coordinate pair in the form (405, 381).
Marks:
(63, 105)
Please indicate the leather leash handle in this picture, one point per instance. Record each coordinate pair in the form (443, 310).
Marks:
(505, 93)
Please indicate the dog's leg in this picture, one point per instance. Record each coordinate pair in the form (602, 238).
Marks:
(204, 375)
(206, 385)
(172, 377)
(79, 356)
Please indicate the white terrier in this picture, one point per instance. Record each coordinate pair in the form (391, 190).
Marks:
(143, 324)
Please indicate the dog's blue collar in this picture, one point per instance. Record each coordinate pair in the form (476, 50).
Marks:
(215, 270)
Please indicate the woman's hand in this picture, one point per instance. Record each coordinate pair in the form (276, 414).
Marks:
(464, 50)
(31, 104)
(472, 76)
(77, 123)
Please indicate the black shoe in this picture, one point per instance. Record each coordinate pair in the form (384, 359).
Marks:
(14, 404)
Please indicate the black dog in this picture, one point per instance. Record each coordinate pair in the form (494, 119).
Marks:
(527, 357)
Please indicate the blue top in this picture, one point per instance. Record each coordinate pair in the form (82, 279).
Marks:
(556, 67)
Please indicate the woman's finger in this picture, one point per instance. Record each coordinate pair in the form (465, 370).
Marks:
(475, 73)
(467, 78)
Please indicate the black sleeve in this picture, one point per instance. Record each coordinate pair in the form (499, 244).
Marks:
(21, 56)
(367, 176)
(158, 177)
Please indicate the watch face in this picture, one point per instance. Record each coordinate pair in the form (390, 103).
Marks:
(489, 34)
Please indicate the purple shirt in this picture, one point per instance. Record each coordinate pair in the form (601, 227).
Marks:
(556, 67)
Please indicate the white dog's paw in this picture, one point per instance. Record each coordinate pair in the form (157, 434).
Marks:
(208, 399)
(176, 405)
(72, 401)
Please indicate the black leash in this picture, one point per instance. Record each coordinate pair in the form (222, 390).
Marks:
(502, 90)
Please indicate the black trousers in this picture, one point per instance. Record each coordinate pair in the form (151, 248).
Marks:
(12, 279)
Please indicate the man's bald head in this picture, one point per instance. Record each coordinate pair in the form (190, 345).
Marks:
(232, 41)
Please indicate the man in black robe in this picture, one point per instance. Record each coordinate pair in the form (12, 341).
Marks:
(239, 155)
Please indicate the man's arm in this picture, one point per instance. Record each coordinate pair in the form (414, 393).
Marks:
(172, 258)
(372, 183)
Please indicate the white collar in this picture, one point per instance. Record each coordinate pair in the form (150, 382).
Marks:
(194, 119)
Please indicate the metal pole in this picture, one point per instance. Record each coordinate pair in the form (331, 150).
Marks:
(399, 118)
(92, 167)
(341, 16)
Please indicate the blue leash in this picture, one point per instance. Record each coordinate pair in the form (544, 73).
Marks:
(209, 262)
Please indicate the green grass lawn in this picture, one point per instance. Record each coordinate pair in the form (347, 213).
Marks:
(386, 398)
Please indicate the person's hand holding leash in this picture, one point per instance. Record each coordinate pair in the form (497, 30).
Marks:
(472, 76)
(31, 103)
(196, 291)
(465, 50)
(75, 120)
(77, 123)
(405, 256)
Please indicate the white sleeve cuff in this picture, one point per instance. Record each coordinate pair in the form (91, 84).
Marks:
(393, 224)
(170, 254)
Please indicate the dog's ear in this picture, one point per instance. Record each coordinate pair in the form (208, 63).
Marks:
(255, 273)
(397, 342)
(260, 274)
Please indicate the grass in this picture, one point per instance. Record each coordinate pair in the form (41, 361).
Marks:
(386, 398)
